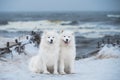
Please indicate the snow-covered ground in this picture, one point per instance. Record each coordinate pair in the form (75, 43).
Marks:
(86, 69)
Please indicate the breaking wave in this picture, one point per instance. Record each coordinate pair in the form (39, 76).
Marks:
(89, 30)
(113, 16)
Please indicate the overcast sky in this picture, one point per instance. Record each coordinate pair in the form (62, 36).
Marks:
(59, 5)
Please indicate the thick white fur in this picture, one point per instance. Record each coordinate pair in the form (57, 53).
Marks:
(67, 52)
(35, 64)
(47, 58)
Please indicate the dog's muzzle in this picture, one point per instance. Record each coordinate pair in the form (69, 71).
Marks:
(66, 41)
(51, 41)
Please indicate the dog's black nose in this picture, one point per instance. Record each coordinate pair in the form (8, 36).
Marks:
(51, 41)
(66, 39)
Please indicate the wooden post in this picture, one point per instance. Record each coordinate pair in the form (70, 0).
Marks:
(118, 42)
(8, 44)
(108, 41)
(16, 40)
(27, 37)
(98, 43)
(103, 41)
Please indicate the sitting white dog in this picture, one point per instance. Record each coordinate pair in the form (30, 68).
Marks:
(47, 59)
(67, 52)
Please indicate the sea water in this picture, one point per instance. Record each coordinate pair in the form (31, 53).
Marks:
(87, 24)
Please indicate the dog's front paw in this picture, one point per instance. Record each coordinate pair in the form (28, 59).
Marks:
(46, 72)
(63, 73)
(55, 72)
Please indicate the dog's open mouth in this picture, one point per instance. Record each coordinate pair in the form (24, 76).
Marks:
(66, 42)
(51, 42)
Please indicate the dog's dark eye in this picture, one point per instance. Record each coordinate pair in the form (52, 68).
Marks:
(68, 36)
(48, 37)
(64, 36)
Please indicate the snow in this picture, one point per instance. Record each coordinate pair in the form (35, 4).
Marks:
(109, 51)
(86, 69)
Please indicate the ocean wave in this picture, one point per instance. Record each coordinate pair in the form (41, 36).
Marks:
(42, 24)
(70, 23)
(89, 29)
(62, 22)
(114, 16)
(7, 33)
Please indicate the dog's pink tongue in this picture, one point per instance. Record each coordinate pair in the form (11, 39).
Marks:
(66, 42)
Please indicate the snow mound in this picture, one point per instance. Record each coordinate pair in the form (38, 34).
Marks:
(109, 51)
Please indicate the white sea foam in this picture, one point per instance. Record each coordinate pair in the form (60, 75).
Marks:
(112, 15)
(90, 30)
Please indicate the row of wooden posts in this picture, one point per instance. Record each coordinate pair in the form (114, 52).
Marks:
(100, 45)
(19, 47)
(108, 41)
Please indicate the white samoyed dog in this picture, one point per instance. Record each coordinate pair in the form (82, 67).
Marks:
(67, 52)
(47, 59)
